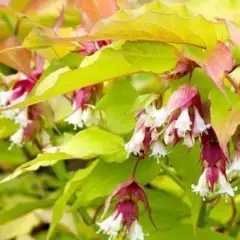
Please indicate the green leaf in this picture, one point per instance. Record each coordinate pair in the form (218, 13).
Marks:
(21, 209)
(116, 104)
(42, 160)
(163, 27)
(94, 142)
(14, 156)
(106, 176)
(93, 69)
(7, 127)
(185, 232)
(225, 118)
(149, 57)
(154, 23)
(69, 189)
(187, 164)
(143, 101)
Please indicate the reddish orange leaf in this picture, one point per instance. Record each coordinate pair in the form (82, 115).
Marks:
(94, 10)
(13, 55)
(218, 62)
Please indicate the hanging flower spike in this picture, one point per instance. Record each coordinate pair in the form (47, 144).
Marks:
(129, 189)
(214, 163)
(210, 178)
(126, 211)
(81, 113)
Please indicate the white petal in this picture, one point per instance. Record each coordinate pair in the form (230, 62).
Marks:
(199, 124)
(188, 140)
(202, 186)
(10, 114)
(17, 137)
(234, 167)
(161, 117)
(136, 232)
(87, 116)
(169, 135)
(5, 97)
(112, 225)
(158, 150)
(224, 186)
(154, 117)
(76, 119)
(22, 118)
(135, 144)
(183, 123)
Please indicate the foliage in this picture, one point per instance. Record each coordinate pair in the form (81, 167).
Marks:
(119, 119)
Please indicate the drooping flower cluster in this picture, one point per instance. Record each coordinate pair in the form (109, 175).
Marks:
(214, 162)
(26, 118)
(125, 216)
(84, 114)
(185, 121)
(146, 134)
(183, 115)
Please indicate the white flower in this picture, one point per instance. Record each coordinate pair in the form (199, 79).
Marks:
(234, 167)
(87, 117)
(112, 225)
(135, 231)
(10, 114)
(225, 187)
(5, 97)
(199, 125)
(183, 123)
(188, 140)
(154, 117)
(135, 144)
(202, 187)
(22, 118)
(161, 116)
(158, 150)
(76, 118)
(169, 133)
(17, 137)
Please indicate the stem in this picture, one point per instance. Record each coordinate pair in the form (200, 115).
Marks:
(234, 214)
(202, 214)
(172, 175)
(96, 213)
(135, 169)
